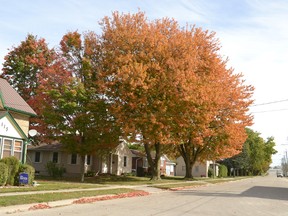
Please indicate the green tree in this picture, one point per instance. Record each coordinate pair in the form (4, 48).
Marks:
(75, 113)
(256, 155)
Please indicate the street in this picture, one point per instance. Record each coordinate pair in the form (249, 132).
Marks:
(256, 196)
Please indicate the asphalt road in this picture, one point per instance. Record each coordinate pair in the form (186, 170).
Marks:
(258, 196)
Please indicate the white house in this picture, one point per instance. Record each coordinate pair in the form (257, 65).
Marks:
(199, 169)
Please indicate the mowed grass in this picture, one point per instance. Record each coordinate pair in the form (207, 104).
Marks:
(50, 185)
(56, 196)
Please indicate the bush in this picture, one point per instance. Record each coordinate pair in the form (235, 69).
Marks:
(90, 173)
(25, 168)
(4, 173)
(210, 172)
(55, 171)
(223, 171)
(13, 167)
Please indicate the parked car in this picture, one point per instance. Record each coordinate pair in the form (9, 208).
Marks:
(279, 174)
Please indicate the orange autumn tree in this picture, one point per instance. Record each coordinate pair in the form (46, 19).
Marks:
(212, 115)
(139, 69)
(171, 86)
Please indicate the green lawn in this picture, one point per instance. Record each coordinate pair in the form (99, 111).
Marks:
(50, 185)
(48, 197)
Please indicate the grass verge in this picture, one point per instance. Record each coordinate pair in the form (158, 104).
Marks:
(56, 196)
(49, 185)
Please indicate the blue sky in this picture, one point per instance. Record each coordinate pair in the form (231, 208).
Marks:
(253, 35)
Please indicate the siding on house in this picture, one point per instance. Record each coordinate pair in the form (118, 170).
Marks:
(199, 169)
(117, 162)
(22, 121)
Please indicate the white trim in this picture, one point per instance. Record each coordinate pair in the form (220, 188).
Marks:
(1, 147)
(21, 146)
(2, 153)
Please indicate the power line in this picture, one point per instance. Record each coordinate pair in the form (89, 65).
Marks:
(265, 111)
(267, 103)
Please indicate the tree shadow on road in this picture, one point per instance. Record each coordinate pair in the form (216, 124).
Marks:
(277, 193)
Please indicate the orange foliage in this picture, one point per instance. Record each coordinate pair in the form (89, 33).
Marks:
(172, 86)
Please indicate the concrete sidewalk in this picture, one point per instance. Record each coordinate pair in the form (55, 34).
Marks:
(26, 207)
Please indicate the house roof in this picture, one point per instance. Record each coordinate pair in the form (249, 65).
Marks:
(11, 100)
(137, 153)
(45, 147)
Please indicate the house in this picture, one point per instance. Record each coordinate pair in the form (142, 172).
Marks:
(167, 166)
(200, 169)
(14, 122)
(141, 167)
(118, 161)
(139, 163)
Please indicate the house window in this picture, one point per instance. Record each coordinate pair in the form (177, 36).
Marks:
(197, 169)
(145, 163)
(183, 168)
(73, 158)
(88, 159)
(37, 158)
(55, 157)
(125, 161)
(17, 149)
(7, 148)
(162, 161)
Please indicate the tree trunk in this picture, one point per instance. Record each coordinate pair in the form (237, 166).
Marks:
(186, 152)
(83, 167)
(154, 163)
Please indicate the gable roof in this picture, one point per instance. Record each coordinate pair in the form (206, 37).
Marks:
(46, 147)
(11, 100)
(13, 122)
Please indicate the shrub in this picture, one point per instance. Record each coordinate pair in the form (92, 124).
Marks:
(210, 172)
(223, 171)
(90, 173)
(25, 168)
(13, 166)
(4, 173)
(55, 171)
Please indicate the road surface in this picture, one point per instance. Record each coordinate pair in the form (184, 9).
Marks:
(259, 196)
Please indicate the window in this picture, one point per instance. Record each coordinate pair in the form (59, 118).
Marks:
(183, 168)
(145, 162)
(17, 149)
(55, 157)
(7, 148)
(37, 158)
(125, 161)
(162, 161)
(197, 169)
(73, 159)
(88, 159)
